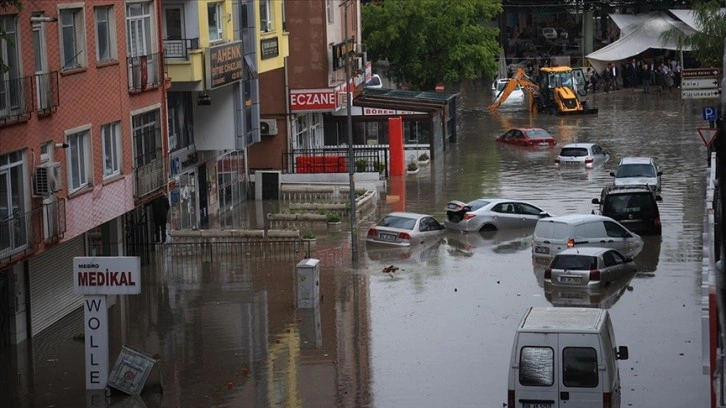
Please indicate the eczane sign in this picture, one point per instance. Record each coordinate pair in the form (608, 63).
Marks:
(117, 275)
(313, 100)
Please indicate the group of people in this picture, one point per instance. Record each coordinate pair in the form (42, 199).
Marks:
(662, 74)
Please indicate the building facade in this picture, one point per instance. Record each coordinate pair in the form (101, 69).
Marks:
(82, 119)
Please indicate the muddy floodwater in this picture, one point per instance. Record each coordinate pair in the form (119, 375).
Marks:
(437, 332)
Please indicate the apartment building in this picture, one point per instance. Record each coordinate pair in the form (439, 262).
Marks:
(82, 146)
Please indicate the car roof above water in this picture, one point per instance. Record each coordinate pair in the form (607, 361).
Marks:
(563, 319)
(636, 160)
(584, 250)
(587, 145)
(575, 218)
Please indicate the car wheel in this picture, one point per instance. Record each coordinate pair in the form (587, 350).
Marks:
(488, 228)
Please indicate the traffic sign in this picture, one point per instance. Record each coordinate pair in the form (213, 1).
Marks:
(709, 113)
(708, 135)
(699, 73)
(699, 83)
(700, 93)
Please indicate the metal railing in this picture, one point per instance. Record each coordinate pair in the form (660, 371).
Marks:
(46, 86)
(144, 72)
(335, 160)
(16, 99)
(149, 173)
(20, 233)
(178, 49)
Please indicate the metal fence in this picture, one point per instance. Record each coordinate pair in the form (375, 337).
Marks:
(335, 160)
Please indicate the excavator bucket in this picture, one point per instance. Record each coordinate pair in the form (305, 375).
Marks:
(567, 103)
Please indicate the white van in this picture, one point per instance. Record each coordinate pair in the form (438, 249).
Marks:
(565, 358)
(555, 234)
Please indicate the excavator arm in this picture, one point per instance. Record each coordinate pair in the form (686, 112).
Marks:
(518, 79)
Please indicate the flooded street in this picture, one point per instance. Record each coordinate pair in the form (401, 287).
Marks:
(436, 333)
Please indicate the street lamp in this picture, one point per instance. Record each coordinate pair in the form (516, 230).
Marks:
(349, 130)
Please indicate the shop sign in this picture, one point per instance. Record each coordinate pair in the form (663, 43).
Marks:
(340, 51)
(224, 64)
(269, 48)
(108, 275)
(313, 100)
(388, 112)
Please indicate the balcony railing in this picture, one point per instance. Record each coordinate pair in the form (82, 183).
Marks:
(16, 99)
(20, 233)
(46, 86)
(179, 49)
(144, 72)
(150, 176)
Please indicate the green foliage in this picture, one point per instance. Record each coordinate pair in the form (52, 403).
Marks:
(707, 45)
(412, 166)
(333, 217)
(431, 41)
(361, 165)
(308, 235)
(423, 157)
(379, 167)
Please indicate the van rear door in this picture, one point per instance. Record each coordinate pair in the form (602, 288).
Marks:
(582, 375)
(536, 371)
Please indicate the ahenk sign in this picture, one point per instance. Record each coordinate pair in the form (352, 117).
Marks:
(118, 275)
(313, 100)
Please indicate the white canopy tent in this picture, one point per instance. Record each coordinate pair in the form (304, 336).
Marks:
(642, 32)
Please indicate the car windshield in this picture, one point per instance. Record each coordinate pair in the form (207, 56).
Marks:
(575, 262)
(617, 204)
(395, 221)
(635, 170)
(537, 133)
(574, 151)
(477, 204)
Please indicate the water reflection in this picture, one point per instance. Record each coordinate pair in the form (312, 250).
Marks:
(498, 242)
(646, 262)
(419, 253)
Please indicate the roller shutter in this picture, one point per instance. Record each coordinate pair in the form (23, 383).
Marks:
(51, 284)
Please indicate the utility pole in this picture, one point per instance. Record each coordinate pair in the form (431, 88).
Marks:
(349, 131)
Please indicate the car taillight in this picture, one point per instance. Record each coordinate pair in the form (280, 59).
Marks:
(469, 216)
(557, 160)
(372, 232)
(548, 273)
(595, 275)
(607, 400)
(570, 243)
(404, 235)
(510, 398)
(588, 160)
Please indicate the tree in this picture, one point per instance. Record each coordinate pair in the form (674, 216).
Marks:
(707, 44)
(431, 41)
(7, 5)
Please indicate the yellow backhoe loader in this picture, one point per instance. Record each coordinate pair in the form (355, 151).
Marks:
(555, 92)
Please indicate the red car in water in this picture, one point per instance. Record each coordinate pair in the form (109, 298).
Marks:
(530, 137)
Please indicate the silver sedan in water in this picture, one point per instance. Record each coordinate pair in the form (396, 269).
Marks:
(492, 214)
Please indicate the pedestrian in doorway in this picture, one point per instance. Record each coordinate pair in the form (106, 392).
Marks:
(160, 211)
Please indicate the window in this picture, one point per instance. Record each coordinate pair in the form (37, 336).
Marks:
(13, 218)
(265, 16)
(614, 230)
(579, 367)
(78, 158)
(140, 33)
(46, 152)
(110, 142)
(329, 9)
(73, 51)
(105, 34)
(9, 83)
(536, 366)
(147, 137)
(214, 18)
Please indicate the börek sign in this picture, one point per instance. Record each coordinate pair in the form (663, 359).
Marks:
(312, 100)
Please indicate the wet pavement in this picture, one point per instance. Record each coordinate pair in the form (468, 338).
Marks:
(437, 332)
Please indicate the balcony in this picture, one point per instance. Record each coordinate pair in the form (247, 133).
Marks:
(178, 50)
(149, 173)
(16, 100)
(144, 72)
(20, 233)
(46, 86)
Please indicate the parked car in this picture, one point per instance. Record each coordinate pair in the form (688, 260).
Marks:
(530, 137)
(636, 207)
(587, 154)
(375, 82)
(587, 268)
(491, 214)
(498, 85)
(405, 229)
(555, 234)
(600, 297)
(637, 171)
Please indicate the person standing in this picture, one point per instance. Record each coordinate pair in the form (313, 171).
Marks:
(160, 211)
(646, 78)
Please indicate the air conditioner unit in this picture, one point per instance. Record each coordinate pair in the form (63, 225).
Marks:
(268, 127)
(47, 179)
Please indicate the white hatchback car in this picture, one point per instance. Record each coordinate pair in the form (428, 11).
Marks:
(579, 154)
(637, 171)
(589, 267)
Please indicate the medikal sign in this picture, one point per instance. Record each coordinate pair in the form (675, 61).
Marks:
(107, 275)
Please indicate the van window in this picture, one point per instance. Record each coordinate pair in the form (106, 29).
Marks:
(614, 230)
(536, 366)
(590, 230)
(579, 367)
(550, 230)
(575, 262)
(624, 204)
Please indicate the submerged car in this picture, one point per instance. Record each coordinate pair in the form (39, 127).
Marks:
(582, 154)
(588, 267)
(492, 214)
(529, 137)
(517, 94)
(636, 207)
(405, 229)
(637, 171)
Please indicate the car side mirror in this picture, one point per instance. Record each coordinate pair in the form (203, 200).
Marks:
(628, 259)
(544, 214)
(612, 174)
(595, 201)
(658, 198)
(622, 353)
(660, 173)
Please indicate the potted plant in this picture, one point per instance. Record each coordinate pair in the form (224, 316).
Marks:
(412, 168)
(333, 218)
(308, 236)
(423, 159)
(361, 165)
(379, 167)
